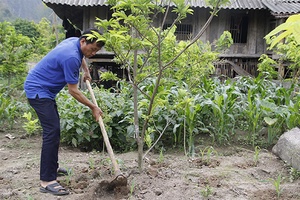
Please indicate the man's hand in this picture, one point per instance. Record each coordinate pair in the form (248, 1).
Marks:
(87, 76)
(97, 112)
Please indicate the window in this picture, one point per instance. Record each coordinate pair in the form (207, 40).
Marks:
(239, 28)
(183, 31)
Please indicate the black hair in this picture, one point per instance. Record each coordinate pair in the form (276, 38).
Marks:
(90, 40)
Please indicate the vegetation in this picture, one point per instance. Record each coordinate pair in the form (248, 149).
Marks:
(170, 100)
(285, 40)
(151, 55)
(15, 52)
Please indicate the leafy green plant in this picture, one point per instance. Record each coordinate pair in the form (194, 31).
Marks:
(77, 124)
(267, 66)
(31, 125)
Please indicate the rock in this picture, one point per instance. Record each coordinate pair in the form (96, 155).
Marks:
(158, 192)
(288, 148)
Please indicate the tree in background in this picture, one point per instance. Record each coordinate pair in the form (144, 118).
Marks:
(26, 28)
(151, 54)
(284, 40)
(15, 51)
(44, 35)
(50, 35)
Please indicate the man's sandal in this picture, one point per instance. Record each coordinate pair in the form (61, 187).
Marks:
(55, 189)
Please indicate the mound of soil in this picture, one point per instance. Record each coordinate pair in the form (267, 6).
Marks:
(230, 175)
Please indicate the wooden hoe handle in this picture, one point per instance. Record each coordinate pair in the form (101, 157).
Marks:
(104, 134)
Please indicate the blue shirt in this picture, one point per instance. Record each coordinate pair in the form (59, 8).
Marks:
(59, 67)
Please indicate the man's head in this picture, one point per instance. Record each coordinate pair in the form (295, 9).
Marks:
(89, 45)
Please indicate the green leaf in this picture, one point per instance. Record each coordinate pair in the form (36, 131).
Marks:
(79, 131)
(270, 121)
(74, 142)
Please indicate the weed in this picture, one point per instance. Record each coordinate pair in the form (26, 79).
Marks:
(206, 191)
(161, 156)
(91, 163)
(69, 176)
(31, 126)
(30, 198)
(294, 174)
(256, 155)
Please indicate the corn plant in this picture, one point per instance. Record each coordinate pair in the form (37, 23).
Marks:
(187, 108)
(207, 153)
(132, 186)
(253, 114)
(222, 109)
(277, 184)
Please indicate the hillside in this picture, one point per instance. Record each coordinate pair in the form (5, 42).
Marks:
(32, 10)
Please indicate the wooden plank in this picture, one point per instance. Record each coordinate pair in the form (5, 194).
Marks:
(238, 69)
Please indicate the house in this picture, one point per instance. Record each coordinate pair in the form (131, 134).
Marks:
(247, 20)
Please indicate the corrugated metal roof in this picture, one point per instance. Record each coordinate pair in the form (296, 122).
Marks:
(77, 2)
(279, 7)
(245, 4)
(235, 4)
(276, 6)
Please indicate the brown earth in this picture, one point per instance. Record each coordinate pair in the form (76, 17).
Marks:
(229, 175)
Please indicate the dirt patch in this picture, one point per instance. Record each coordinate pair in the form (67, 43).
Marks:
(232, 174)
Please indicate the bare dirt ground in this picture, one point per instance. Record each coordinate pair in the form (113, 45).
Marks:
(230, 175)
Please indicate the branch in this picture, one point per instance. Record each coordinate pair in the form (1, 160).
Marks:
(160, 135)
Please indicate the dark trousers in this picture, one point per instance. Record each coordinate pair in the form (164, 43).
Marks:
(46, 110)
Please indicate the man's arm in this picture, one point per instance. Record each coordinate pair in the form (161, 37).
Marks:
(77, 94)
